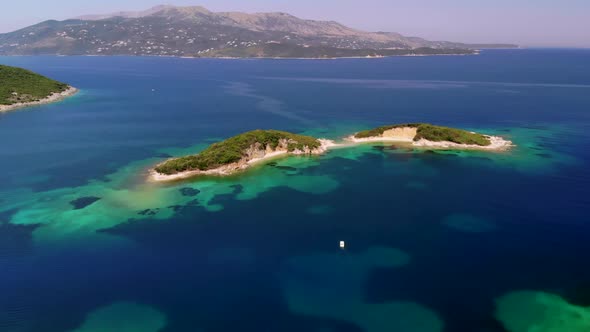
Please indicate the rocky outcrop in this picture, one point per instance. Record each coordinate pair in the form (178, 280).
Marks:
(256, 152)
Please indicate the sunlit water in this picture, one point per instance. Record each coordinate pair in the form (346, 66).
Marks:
(435, 241)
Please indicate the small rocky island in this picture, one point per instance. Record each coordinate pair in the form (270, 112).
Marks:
(238, 153)
(431, 136)
(21, 88)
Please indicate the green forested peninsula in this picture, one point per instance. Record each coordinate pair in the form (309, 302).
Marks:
(19, 85)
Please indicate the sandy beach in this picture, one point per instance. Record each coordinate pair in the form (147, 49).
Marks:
(497, 144)
(407, 134)
(55, 97)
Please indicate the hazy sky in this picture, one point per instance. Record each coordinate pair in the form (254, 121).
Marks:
(526, 22)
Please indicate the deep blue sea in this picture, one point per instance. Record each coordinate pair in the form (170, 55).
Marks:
(436, 241)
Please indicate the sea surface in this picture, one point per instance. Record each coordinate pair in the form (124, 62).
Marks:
(435, 240)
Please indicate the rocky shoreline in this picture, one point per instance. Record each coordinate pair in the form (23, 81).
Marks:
(252, 157)
(55, 97)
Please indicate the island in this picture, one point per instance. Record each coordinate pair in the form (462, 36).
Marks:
(240, 152)
(431, 136)
(21, 88)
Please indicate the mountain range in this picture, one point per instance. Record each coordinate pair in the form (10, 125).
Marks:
(197, 32)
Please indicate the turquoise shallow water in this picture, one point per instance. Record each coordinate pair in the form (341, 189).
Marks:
(436, 241)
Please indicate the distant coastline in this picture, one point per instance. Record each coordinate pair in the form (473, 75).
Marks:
(475, 52)
(195, 31)
(54, 97)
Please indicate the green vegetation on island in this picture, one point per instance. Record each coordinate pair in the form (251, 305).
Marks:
(432, 133)
(233, 149)
(19, 85)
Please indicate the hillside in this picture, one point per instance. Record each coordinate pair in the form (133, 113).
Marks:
(196, 31)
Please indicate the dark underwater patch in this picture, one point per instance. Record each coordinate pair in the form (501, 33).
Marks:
(536, 127)
(163, 155)
(15, 239)
(579, 295)
(6, 215)
(148, 212)
(194, 202)
(189, 192)
(274, 164)
(176, 208)
(384, 148)
(83, 202)
(287, 168)
(238, 189)
(544, 155)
